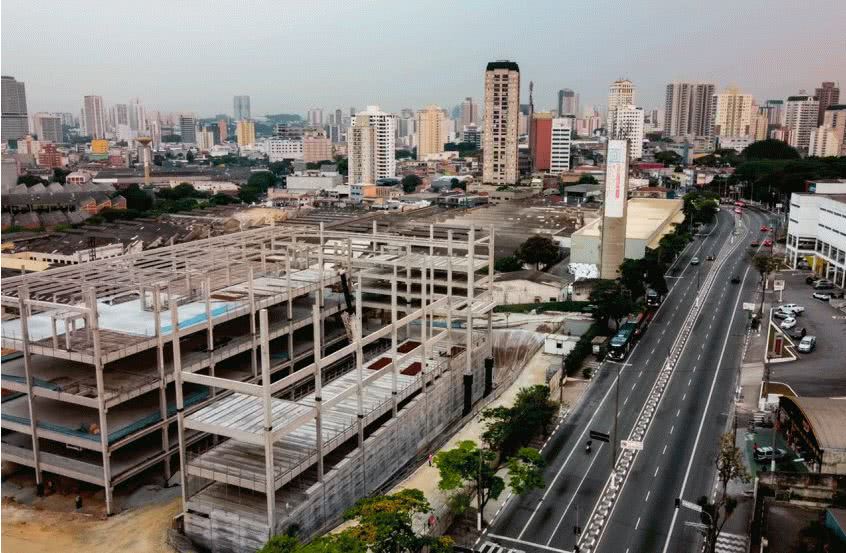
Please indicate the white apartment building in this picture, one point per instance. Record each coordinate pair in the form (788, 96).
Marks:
(620, 94)
(279, 149)
(502, 118)
(800, 118)
(816, 231)
(829, 139)
(94, 117)
(562, 141)
(732, 113)
(628, 125)
(687, 109)
(371, 143)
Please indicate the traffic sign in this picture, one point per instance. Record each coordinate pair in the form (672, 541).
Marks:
(778, 285)
(749, 306)
(688, 505)
(599, 436)
(631, 444)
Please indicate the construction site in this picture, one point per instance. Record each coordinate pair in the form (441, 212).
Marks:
(279, 373)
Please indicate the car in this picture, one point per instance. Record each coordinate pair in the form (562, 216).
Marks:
(710, 258)
(787, 323)
(768, 243)
(823, 284)
(824, 296)
(797, 333)
(807, 344)
(694, 260)
(779, 314)
(765, 228)
(754, 244)
(795, 307)
(738, 210)
(767, 453)
(735, 279)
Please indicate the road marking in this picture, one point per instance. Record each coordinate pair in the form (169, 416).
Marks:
(704, 413)
(645, 499)
(677, 412)
(672, 428)
(626, 400)
(640, 374)
(656, 470)
(651, 352)
(634, 386)
(575, 493)
(684, 397)
(637, 523)
(698, 357)
(506, 538)
(689, 381)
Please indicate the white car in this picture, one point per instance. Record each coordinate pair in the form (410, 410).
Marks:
(779, 314)
(789, 322)
(694, 261)
(792, 308)
(824, 296)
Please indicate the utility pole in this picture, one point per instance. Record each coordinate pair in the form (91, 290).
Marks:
(616, 417)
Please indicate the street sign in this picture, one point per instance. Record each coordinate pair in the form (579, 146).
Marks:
(631, 444)
(778, 285)
(599, 436)
(690, 505)
(749, 306)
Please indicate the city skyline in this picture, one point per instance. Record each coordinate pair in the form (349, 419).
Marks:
(252, 60)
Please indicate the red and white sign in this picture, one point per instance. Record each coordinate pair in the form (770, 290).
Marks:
(616, 177)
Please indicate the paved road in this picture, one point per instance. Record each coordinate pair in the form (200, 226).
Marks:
(681, 445)
(544, 520)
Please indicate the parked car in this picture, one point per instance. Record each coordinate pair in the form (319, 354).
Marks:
(797, 333)
(824, 296)
(754, 244)
(694, 260)
(710, 258)
(823, 284)
(789, 322)
(792, 307)
(807, 344)
(767, 453)
(779, 314)
(768, 243)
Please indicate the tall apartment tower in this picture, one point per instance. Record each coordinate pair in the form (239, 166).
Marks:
(371, 142)
(687, 109)
(245, 132)
(469, 112)
(620, 94)
(430, 131)
(775, 112)
(137, 116)
(568, 102)
(15, 123)
(95, 117)
(732, 113)
(188, 128)
(541, 141)
(502, 108)
(48, 127)
(828, 94)
(315, 117)
(829, 139)
(241, 108)
(759, 124)
(614, 209)
(800, 119)
(562, 141)
(628, 125)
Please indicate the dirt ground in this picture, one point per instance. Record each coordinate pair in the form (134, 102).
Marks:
(142, 530)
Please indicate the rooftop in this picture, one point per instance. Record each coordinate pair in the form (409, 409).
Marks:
(646, 217)
(531, 275)
(827, 417)
(502, 64)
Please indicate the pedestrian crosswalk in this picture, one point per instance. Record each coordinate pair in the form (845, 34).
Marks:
(730, 543)
(491, 547)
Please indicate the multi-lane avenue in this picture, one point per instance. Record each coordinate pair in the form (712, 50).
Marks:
(681, 439)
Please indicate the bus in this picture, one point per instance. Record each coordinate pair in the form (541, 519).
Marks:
(622, 342)
(653, 298)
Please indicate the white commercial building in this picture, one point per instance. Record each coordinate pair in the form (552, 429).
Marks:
(732, 111)
(371, 143)
(816, 231)
(562, 141)
(628, 125)
(279, 149)
(620, 95)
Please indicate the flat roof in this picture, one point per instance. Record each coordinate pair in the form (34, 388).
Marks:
(645, 218)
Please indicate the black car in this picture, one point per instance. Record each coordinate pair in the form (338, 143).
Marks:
(735, 279)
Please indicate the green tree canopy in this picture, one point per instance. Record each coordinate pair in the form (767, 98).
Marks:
(538, 250)
(588, 179)
(525, 470)
(465, 465)
(508, 264)
(507, 429)
(137, 199)
(30, 180)
(410, 183)
(770, 149)
(668, 158)
(613, 302)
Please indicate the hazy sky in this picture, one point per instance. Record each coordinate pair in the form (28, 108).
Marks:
(185, 55)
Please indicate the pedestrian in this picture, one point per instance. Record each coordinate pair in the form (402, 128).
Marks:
(78, 502)
(430, 459)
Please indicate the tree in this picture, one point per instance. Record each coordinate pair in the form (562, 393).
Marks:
(30, 180)
(343, 165)
(60, 174)
(538, 250)
(508, 264)
(770, 149)
(632, 276)
(404, 154)
(455, 183)
(730, 467)
(525, 470)
(588, 179)
(612, 302)
(280, 167)
(507, 429)
(410, 183)
(222, 199)
(137, 199)
(189, 157)
(668, 158)
(465, 465)
(765, 264)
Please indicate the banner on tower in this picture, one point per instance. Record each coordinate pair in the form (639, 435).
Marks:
(616, 177)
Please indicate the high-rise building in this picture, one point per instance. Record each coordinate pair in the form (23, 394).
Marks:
(188, 128)
(800, 118)
(732, 113)
(245, 132)
(223, 130)
(471, 134)
(241, 108)
(502, 108)
(687, 109)
(316, 146)
(120, 115)
(137, 116)
(628, 125)
(469, 113)
(541, 141)
(94, 117)
(48, 127)
(568, 102)
(562, 141)
(620, 95)
(371, 144)
(759, 124)
(206, 137)
(828, 94)
(775, 112)
(430, 131)
(315, 117)
(15, 123)
(829, 139)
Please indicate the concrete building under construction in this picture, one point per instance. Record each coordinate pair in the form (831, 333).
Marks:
(291, 370)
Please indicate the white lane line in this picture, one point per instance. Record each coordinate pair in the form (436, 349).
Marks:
(634, 385)
(678, 412)
(665, 450)
(672, 428)
(517, 540)
(575, 493)
(684, 397)
(637, 523)
(656, 472)
(640, 374)
(698, 357)
(704, 414)
(651, 352)
(689, 380)
(625, 401)
(645, 499)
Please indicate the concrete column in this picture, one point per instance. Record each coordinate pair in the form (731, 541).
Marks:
(252, 298)
(23, 297)
(320, 292)
(318, 389)
(471, 252)
(180, 400)
(449, 286)
(359, 366)
(210, 327)
(94, 324)
(395, 372)
(290, 311)
(408, 279)
(270, 480)
(491, 254)
(157, 317)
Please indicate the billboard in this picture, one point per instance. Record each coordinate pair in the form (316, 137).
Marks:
(616, 177)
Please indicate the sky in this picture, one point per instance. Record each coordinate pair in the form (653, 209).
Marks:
(289, 56)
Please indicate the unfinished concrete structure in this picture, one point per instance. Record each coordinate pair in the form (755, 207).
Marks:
(232, 353)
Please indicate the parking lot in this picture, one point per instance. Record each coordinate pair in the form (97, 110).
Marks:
(819, 373)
